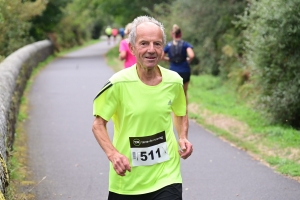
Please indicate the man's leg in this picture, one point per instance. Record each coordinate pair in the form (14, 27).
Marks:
(185, 88)
(108, 39)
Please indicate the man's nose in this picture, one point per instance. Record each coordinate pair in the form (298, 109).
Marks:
(151, 47)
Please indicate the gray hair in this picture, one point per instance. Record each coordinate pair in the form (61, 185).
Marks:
(128, 28)
(142, 19)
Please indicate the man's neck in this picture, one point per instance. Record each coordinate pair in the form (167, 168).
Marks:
(149, 76)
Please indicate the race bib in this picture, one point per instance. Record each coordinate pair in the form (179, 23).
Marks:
(149, 150)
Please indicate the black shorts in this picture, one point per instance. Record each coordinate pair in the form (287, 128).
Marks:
(170, 192)
(185, 76)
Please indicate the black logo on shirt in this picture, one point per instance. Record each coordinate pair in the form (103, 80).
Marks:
(147, 141)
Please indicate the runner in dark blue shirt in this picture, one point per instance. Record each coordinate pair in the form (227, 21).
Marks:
(122, 32)
(179, 53)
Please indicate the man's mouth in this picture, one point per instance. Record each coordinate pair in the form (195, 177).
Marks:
(150, 57)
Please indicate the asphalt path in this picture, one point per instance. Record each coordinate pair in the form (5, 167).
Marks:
(67, 162)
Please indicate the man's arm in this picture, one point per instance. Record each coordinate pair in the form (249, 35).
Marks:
(122, 55)
(182, 124)
(190, 54)
(120, 162)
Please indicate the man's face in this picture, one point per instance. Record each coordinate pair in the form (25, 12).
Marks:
(148, 48)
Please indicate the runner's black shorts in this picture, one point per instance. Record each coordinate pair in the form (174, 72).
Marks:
(185, 76)
(170, 192)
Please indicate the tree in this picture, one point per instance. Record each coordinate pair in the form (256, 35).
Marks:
(15, 25)
(47, 21)
(272, 51)
(124, 11)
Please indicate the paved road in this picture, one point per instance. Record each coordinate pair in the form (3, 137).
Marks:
(67, 162)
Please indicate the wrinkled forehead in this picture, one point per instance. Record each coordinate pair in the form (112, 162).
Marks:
(149, 29)
(147, 25)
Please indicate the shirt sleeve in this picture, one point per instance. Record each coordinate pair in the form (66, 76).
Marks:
(179, 102)
(166, 49)
(106, 102)
(187, 45)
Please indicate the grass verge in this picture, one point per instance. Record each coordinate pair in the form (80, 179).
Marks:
(217, 107)
(112, 59)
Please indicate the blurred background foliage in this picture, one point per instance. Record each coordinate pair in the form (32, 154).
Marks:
(272, 53)
(15, 16)
(250, 44)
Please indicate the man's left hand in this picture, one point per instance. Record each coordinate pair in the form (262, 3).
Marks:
(186, 148)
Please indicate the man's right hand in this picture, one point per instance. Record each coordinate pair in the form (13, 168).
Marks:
(120, 163)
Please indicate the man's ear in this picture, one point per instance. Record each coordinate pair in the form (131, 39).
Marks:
(131, 48)
(162, 55)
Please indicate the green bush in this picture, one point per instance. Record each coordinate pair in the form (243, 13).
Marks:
(15, 25)
(272, 52)
(48, 20)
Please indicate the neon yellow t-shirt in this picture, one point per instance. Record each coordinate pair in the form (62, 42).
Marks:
(108, 31)
(143, 129)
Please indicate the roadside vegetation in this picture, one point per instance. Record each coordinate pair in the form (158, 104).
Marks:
(245, 83)
(215, 105)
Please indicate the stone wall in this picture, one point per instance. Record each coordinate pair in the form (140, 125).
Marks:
(15, 70)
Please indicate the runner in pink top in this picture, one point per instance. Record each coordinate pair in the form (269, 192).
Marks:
(114, 33)
(124, 50)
